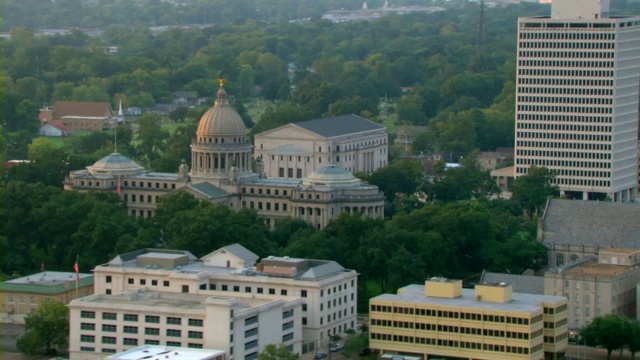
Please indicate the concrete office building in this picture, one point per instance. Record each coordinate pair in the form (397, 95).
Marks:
(241, 325)
(577, 99)
(597, 286)
(328, 290)
(489, 322)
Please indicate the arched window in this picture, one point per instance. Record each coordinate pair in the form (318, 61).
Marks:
(559, 259)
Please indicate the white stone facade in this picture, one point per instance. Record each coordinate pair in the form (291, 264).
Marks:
(241, 325)
(294, 151)
(577, 99)
(222, 172)
(328, 292)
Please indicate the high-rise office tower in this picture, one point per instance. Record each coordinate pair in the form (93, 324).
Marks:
(577, 100)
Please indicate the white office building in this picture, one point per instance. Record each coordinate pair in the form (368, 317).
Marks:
(241, 325)
(577, 99)
(328, 291)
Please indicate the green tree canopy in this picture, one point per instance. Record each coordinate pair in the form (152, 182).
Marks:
(532, 190)
(277, 352)
(608, 331)
(46, 330)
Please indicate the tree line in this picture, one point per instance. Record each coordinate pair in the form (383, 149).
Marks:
(456, 237)
(306, 69)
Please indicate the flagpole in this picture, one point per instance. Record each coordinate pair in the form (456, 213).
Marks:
(76, 268)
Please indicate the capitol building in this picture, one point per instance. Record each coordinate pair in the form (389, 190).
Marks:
(223, 171)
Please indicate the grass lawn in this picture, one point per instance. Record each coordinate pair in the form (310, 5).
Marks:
(58, 142)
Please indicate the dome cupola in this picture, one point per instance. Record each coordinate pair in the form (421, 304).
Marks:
(221, 142)
(220, 121)
(331, 175)
(115, 164)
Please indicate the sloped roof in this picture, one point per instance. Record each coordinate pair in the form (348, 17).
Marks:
(81, 108)
(122, 259)
(208, 190)
(339, 125)
(184, 94)
(527, 284)
(241, 252)
(318, 270)
(592, 223)
(58, 125)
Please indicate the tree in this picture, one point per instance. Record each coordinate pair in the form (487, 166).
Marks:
(151, 137)
(25, 117)
(179, 114)
(525, 252)
(402, 176)
(279, 352)
(353, 343)
(410, 110)
(632, 337)
(608, 331)
(462, 183)
(47, 329)
(532, 190)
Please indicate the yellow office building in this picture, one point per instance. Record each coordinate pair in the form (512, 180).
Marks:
(489, 322)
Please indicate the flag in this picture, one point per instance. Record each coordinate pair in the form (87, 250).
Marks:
(118, 186)
(77, 270)
(42, 267)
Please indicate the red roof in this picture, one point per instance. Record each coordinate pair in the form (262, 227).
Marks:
(58, 125)
(81, 108)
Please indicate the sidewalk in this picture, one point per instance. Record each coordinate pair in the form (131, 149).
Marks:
(589, 353)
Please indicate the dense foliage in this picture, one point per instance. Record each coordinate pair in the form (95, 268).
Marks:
(46, 329)
(463, 94)
(458, 239)
(613, 332)
(306, 69)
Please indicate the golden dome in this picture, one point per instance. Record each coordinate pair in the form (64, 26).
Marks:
(221, 119)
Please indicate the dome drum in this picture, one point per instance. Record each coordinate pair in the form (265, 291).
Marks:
(331, 175)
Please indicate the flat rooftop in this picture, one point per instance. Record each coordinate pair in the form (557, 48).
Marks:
(48, 278)
(150, 352)
(593, 268)
(620, 251)
(47, 282)
(527, 303)
(157, 299)
(317, 270)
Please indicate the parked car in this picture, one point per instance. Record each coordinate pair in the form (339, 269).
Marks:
(364, 352)
(336, 347)
(320, 355)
